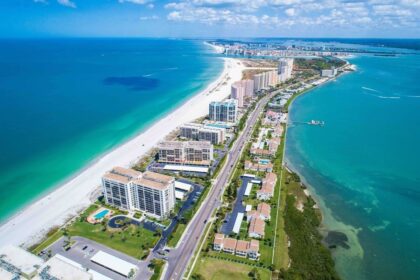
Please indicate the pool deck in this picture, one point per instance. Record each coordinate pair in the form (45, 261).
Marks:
(91, 219)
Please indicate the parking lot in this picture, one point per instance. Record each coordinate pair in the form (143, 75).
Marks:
(84, 249)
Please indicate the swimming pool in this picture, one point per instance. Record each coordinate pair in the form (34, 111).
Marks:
(101, 214)
(264, 161)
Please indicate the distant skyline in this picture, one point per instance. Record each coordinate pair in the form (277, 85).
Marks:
(210, 18)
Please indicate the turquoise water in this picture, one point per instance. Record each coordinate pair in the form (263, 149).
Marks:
(64, 102)
(264, 161)
(101, 214)
(363, 165)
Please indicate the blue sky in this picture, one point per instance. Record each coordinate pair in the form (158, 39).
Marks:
(210, 18)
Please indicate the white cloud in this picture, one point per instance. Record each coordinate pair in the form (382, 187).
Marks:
(153, 17)
(67, 3)
(290, 12)
(138, 2)
(280, 13)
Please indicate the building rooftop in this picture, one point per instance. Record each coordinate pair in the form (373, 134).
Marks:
(121, 174)
(270, 178)
(128, 172)
(198, 144)
(254, 245)
(113, 263)
(116, 177)
(151, 184)
(229, 243)
(157, 177)
(264, 209)
(242, 245)
(21, 259)
(218, 238)
(225, 102)
(257, 226)
(60, 269)
(171, 145)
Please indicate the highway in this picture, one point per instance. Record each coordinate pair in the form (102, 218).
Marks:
(179, 257)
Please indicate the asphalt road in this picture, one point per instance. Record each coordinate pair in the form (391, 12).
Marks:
(178, 258)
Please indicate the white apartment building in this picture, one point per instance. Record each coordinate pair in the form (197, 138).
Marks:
(285, 69)
(238, 92)
(154, 194)
(151, 193)
(225, 111)
(265, 80)
(200, 132)
(188, 152)
(329, 72)
(116, 185)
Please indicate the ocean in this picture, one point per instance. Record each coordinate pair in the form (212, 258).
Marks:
(363, 165)
(66, 102)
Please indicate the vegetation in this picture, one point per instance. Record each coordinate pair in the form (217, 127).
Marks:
(310, 258)
(176, 234)
(318, 63)
(131, 240)
(53, 235)
(215, 269)
(157, 266)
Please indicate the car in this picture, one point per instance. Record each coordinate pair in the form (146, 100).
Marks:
(167, 250)
(205, 221)
(84, 248)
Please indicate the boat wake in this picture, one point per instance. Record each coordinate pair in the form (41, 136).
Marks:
(378, 96)
(370, 89)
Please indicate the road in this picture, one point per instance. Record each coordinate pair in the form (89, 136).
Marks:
(179, 258)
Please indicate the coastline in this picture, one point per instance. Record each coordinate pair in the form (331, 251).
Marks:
(328, 222)
(73, 195)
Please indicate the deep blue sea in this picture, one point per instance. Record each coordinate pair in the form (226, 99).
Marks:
(64, 102)
(363, 165)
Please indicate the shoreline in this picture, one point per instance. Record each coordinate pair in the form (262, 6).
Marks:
(328, 222)
(72, 195)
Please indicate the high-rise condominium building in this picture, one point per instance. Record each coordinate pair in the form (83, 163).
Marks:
(241, 90)
(285, 69)
(151, 193)
(225, 111)
(188, 152)
(265, 80)
(195, 131)
(238, 92)
(154, 194)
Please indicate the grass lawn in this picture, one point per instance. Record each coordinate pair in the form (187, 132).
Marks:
(213, 269)
(133, 241)
(176, 235)
(157, 269)
(47, 242)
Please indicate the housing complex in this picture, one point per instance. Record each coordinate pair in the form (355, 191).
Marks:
(224, 111)
(186, 152)
(201, 132)
(149, 192)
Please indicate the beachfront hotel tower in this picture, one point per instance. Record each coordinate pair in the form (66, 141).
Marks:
(149, 192)
(200, 132)
(285, 68)
(225, 111)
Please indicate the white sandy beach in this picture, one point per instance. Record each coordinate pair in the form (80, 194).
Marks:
(32, 223)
